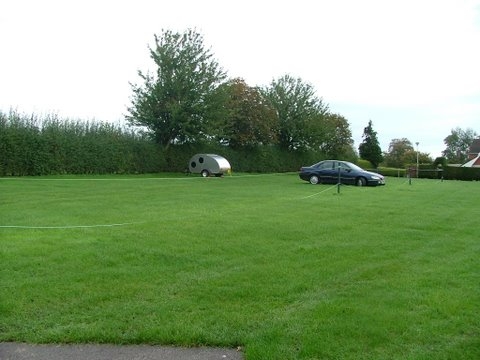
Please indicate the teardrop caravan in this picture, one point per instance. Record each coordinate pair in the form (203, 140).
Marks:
(209, 164)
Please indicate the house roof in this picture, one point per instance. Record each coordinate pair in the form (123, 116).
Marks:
(474, 162)
(475, 147)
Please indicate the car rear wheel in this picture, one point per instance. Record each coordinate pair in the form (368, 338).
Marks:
(314, 180)
(361, 181)
(205, 173)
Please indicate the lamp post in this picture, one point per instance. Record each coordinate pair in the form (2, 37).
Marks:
(417, 157)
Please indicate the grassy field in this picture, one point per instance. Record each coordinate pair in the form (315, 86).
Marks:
(285, 269)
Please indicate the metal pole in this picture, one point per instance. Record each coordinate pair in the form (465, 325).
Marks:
(417, 157)
(338, 184)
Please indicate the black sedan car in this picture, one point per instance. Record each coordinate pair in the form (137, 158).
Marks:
(330, 171)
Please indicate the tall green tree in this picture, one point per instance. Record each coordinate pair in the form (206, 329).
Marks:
(401, 153)
(370, 149)
(250, 121)
(177, 102)
(458, 143)
(337, 138)
(398, 152)
(299, 110)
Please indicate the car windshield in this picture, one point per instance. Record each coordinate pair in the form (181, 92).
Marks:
(354, 167)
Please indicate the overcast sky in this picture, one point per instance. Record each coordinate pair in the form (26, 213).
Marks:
(410, 66)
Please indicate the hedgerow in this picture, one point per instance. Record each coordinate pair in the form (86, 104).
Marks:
(30, 145)
(33, 145)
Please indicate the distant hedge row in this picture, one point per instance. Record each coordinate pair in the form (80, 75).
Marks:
(447, 172)
(430, 171)
(461, 173)
(33, 146)
(46, 146)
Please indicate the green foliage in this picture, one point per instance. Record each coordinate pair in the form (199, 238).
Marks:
(258, 159)
(461, 173)
(370, 149)
(282, 268)
(364, 164)
(300, 113)
(440, 162)
(393, 172)
(15, 135)
(177, 103)
(400, 152)
(187, 102)
(336, 138)
(41, 146)
(268, 159)
(457, 144)
(429, 171)
(250, 122)
(34, 146)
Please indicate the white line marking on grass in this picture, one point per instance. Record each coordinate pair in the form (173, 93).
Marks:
(187, 177)
(309, 196)
(62, 227)
(102, 179)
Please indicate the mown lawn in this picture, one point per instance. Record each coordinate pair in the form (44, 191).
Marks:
(285, 269)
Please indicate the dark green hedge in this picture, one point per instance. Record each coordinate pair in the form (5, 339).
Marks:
(461, 173)
(259, 159)
(433, 171)
(30, 146)
(33, 146)
(393, 172)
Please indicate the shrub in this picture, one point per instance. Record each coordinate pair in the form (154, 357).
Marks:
(364, 164)
(394, 172)
(461, 173)
(258, 159)
(33, 146)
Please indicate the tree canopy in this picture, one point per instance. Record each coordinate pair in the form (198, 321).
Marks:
(299, 111)
(178, 101)
(337, 139)
(249, 120)
(398, 152)
(370, 149)
(458, 143)
(187, 99)
(401, 153)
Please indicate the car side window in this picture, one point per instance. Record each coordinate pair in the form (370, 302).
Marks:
(326, 165)
(343, 166)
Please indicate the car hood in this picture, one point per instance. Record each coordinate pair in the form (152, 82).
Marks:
(371, 173)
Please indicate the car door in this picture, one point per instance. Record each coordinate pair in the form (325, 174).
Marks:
(347, 176)
(326, 172)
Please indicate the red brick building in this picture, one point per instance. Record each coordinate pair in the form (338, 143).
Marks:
(473, 154)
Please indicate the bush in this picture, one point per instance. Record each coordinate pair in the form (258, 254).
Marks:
(34, 146)
(393, 172)
(260, 159)
(461, 173)
(364, 164)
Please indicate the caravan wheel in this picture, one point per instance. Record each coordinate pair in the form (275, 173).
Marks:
(205, 173)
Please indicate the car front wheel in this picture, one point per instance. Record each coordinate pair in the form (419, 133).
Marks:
(314, 180)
